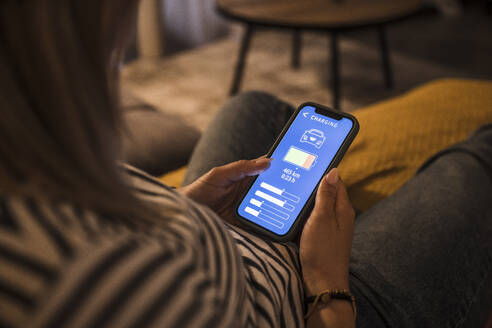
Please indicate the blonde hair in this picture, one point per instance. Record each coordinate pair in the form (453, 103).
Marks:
(59, 108)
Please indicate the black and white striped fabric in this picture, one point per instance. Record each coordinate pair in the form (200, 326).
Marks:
(64, 266)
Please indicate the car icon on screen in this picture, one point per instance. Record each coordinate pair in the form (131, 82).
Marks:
(314, 137)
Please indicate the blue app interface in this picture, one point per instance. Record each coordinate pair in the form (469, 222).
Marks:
(278, 195)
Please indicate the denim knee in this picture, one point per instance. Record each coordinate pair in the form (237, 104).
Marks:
(262, 105)
(255, 96)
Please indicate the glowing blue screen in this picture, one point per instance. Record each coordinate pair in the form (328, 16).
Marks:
(279, 194)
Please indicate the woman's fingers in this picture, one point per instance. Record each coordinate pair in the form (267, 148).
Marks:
(258, 166)
(327, 194)
(236, 171)
(326, 239)
(332, 199)
(343, 206)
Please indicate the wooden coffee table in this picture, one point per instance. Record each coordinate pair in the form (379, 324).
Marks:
(331, 16)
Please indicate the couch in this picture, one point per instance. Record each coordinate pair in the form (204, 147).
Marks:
(397, 135)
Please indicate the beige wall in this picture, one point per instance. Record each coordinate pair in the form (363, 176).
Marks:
(150, 38)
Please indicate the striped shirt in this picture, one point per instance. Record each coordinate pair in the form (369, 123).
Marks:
(66, 266)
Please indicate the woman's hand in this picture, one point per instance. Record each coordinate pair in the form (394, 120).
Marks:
(221, 187)
(325, 246)
(326, 239)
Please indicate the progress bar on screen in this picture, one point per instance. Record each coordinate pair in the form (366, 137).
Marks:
(269, 209)
(264, 216)
(280, 192)
(274, 200)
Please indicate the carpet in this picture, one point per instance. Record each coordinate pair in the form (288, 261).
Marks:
(194, 84)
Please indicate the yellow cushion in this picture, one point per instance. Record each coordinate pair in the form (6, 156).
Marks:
(396, 136)
(174, 178)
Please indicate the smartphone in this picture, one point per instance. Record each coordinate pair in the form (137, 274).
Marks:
(312, 143)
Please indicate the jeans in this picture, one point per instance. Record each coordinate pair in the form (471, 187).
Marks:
(421, 257)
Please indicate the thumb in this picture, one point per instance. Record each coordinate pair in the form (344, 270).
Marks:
(235, 171)
(327, 193)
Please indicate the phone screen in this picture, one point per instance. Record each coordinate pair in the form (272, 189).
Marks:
(300, 160)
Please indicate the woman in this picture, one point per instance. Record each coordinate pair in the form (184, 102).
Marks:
(87, 243)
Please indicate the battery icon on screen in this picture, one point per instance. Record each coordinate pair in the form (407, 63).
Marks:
(300, 158)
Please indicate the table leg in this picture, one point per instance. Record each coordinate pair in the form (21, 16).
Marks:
(296, 48)
(241, 61)
(335, 70)
(385, 57)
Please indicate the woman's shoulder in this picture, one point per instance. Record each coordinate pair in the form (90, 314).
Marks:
(183, 216)
(63, 265)
(271, 270)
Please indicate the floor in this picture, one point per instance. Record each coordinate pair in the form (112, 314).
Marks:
(194, 84)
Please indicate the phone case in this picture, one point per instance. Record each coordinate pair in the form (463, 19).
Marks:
(309, 204)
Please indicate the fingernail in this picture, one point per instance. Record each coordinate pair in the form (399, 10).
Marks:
(264, 159)
(332, 177)
(257, 172)
(263, 163)
(268, 163)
